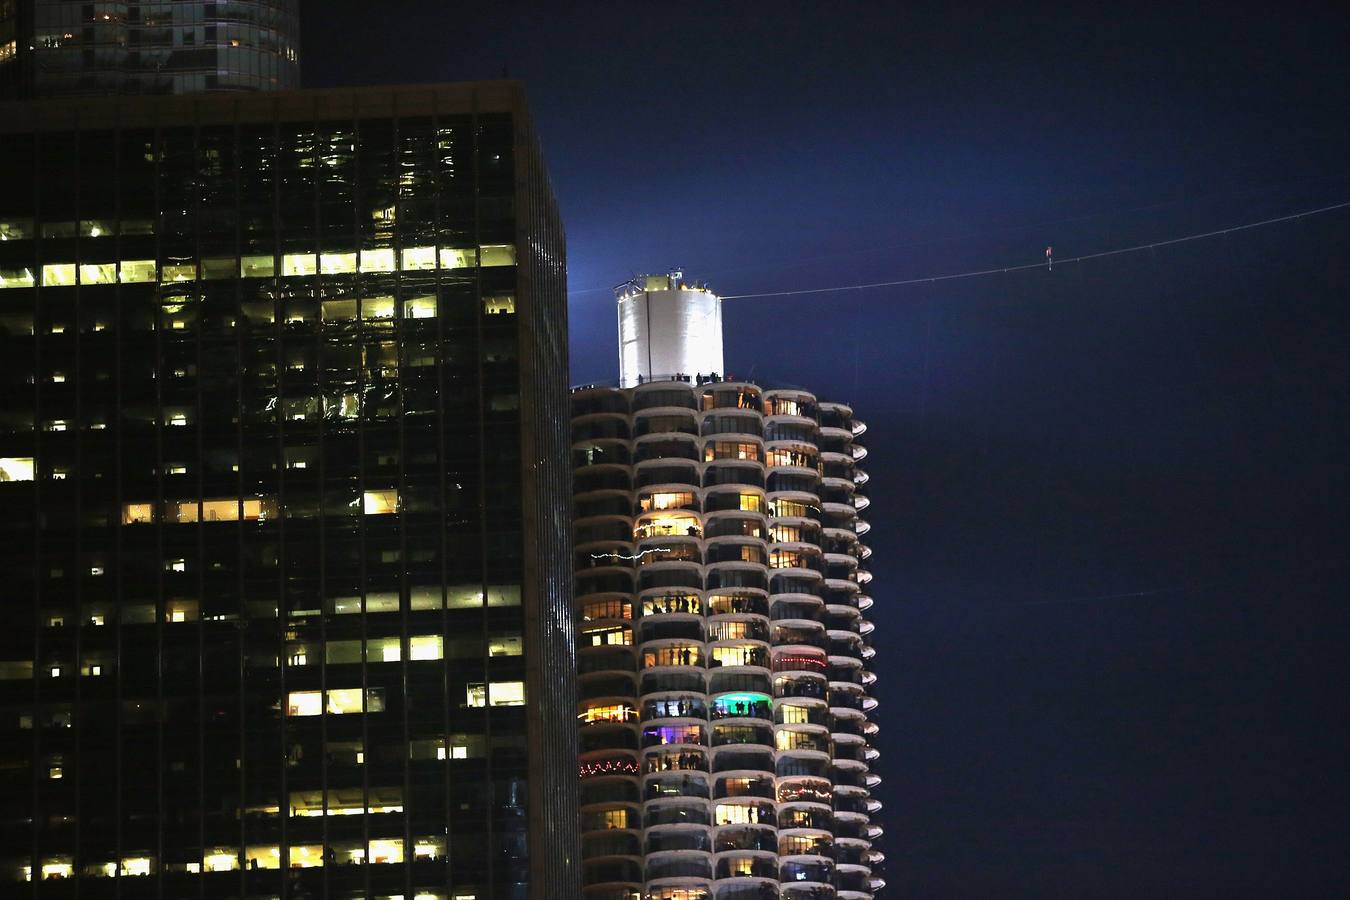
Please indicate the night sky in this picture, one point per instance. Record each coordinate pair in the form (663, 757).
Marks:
(1109, 500)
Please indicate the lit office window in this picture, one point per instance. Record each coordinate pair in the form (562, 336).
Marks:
(386, 851)
(381, 260)
(264, 857)
(306, 703)
(98, 273)
(257, 266)
(299, 264)
(221, 859)
(16, 468)
(384, 650)
(134, 513)
(498, 255)
(181, 271)
(414, 259)
(498, 693)
(453, 258)
(57, 867)
(377, 308)
(382, 502)
(337, 263)
(426, 646)
(15, 229)
(137, 271)
(341, 701)
(499, 305)
(504, 645)
(16, 278)
(58, 274)
(419, 308)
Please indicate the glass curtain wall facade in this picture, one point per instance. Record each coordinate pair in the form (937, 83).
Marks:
(282, 458)
(53, 48)
(723, 644)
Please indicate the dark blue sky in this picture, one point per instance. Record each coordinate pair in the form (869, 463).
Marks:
(1108, 501)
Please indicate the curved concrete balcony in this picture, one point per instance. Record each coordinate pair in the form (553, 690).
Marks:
(744, 811)
(841, 563)
(740, 864)
(738, 395)
(681, 758)
(683, 629)
(607, 710)
(610, 870)
(807, 892)
(603, 501)
(736, 523)
(742, 757)
(603, 528)
(667, 473)
(665, 867)
(673, 707)
(815, 816)
(807, 871)
(676, 783)
(849, 753)
(804, 789)
(794, 607)
(693, 811)
(612, 891)
(741, 838)
(664, 419)
(660, 390)
(591, 399)
(600, 685)
(600, 426)
(834, 434)
(747, 888)
(679, 889)
(603, 791)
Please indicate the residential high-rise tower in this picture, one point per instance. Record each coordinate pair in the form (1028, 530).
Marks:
(55, 48)
(283, 461)
(723, 644)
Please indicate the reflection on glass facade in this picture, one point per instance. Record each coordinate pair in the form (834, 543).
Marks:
(723, 646)
(283, 461)
(56, 48)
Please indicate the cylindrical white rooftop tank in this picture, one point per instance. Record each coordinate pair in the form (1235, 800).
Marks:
(667, 328)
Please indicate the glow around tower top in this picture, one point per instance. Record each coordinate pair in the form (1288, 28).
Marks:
(668, 328)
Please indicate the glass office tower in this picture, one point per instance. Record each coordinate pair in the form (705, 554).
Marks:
(283, 460)
(52, 48)
(723, 646)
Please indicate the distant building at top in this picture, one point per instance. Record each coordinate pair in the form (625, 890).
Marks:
(55, 48)
(724, 645)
